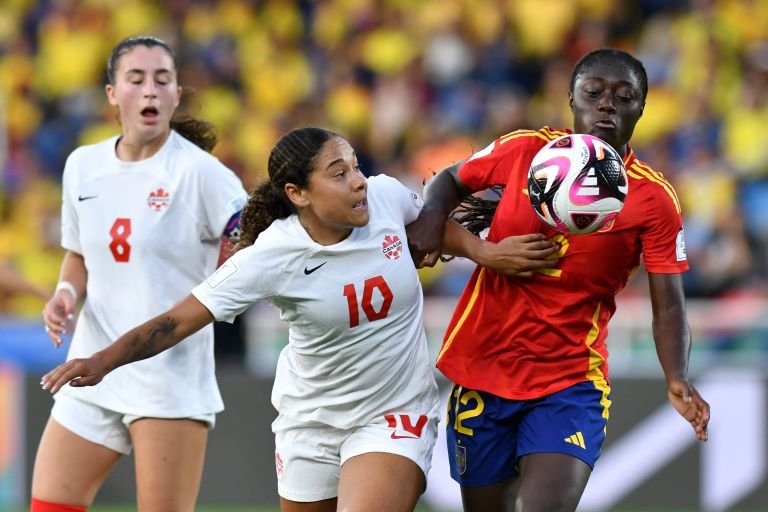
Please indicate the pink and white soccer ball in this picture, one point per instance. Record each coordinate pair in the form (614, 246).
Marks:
(577, 183)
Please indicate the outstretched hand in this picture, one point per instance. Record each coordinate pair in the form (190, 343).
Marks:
(687, 401)
(77, 372)
(521, 255)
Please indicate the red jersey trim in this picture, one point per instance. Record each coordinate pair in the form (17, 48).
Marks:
(516, 134)
(597, 362)
(464, 314)
(546, 134)
(595, 358)
(553, 134)
(639, 171)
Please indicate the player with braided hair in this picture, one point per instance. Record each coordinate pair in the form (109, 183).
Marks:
(526, 350)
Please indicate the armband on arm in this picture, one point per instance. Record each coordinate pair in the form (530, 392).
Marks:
(229, 238)
(232, 229)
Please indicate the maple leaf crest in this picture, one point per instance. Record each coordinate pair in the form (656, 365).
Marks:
(392, 247)
(159, 199)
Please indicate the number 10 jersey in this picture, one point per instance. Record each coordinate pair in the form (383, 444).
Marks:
(356, 344)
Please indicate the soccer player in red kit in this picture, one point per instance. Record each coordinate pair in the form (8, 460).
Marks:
(526, 347)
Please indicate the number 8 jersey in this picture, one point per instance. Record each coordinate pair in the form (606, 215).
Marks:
(356, 344)
(149, 231)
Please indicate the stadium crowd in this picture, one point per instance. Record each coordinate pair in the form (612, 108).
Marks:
(414, 85)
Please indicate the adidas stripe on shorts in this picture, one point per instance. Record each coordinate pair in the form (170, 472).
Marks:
(486, 434)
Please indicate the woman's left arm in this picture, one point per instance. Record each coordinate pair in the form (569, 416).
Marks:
(148, 339)
(518, 255)
(673, 344)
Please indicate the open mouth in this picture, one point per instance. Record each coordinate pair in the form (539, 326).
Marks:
(361, 205)
(149, 112)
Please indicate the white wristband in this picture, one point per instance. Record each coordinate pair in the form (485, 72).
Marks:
(66, 285)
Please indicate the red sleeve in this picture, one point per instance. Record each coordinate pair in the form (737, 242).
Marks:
(492, 166)
(663, 240)
(483, 169)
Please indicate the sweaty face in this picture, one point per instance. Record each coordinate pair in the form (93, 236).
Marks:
(146, 93)
(336, 199)
(607, 102)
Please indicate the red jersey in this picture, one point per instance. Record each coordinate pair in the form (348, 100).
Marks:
(523, 338)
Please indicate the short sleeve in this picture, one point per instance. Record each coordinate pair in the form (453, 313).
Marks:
(495, 164)
(401, 200)
(411, 203)
(238, 283)
(70, 231)
(663, 240)
(223, 197)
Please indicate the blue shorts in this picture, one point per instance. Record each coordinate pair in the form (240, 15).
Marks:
(487, 434)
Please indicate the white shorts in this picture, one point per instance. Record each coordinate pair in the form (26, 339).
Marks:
(103, 426)
(308, 457)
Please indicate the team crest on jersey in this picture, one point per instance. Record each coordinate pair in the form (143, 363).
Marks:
(158, 199)
(392, 247)
(461, 458)
(607, 227)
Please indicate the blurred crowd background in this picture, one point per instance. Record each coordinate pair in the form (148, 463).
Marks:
(415, 85)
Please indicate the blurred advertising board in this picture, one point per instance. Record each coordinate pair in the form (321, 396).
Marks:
(12, 456)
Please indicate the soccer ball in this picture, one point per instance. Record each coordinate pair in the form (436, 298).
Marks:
(577, 183)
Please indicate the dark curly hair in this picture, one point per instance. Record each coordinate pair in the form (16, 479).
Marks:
(199, 132)
(476, 213)
(292, 160)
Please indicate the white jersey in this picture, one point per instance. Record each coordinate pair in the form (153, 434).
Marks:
(149, 231)
(356, 343)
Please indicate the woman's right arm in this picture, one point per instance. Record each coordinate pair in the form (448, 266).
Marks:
(432, 234)
(442, 194)
(59, 311)
(150, 338)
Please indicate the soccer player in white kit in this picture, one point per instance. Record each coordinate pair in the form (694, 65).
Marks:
(355, 393)
(143, 217)
(356, 398)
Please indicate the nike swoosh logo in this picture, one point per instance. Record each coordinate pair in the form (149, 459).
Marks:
(308, 271)
(85, 198)
(398, 436)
